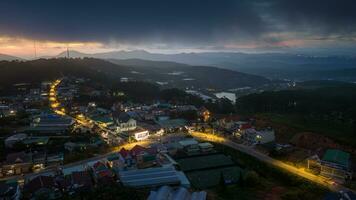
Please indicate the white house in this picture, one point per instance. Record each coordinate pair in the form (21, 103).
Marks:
(124, 122)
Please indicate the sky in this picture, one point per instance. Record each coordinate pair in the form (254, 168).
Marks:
(171, 26)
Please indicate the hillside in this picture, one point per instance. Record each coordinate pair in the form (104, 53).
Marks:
(171, 74)
(8, 57)
(329, 100)
(328, 111)
(182, 75)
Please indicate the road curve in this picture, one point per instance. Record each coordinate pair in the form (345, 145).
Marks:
(264, 158)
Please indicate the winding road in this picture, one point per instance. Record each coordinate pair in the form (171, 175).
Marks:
(264, 158)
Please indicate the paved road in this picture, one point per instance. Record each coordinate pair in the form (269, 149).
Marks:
(80, 162)
(262, 157)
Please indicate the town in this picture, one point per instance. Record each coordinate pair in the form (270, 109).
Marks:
(69, 136)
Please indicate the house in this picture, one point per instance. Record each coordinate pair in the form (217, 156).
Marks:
(44, 187)
(55, 159)
(139, 156)
(71, 146)
(190, 146)
(172, 124)
(6, 111)
(336, 164)
(146, 160)
(16, 164)
(38, 160)
(116, 161)
(36, 141)
(138, 150)
(10, 190)
(102, 174)
(252, 136)
(204, 114)
(153, 128)
(78, 181)
(206, 147)
(124, 122)
(104, 121)
(227, 122)
(10, 141)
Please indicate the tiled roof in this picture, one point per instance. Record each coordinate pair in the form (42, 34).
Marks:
(81, 178)
(137, 149)
(39, 182)
(124, 153)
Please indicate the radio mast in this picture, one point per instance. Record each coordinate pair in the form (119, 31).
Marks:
(67, 51)
(35, 48)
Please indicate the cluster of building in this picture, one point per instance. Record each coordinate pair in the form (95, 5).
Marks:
(139, 167)
(125, 122)
(28, 154)
(243, 129)
(27, 149)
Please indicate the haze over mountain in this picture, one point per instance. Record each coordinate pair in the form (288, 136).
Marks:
(8, 57)
(271, 65)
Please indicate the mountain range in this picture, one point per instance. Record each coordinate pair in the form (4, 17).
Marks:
(272, 65)
(8, 57)
(166, 74)
(296, 67)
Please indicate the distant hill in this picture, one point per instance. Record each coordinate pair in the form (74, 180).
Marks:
(8, 57)
(271, 65)
(164, 73)
(323, 83)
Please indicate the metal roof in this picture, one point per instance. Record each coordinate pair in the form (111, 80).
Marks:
(149, 177)
(337, 156)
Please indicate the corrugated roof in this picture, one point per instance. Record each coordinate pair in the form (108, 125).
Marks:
(337, 156)
(149, 177)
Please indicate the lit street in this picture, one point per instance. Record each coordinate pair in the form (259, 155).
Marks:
(262, 157)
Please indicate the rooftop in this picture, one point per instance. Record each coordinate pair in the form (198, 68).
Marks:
(150, 177)
(172, 123)
(337, 156)
(204, 162)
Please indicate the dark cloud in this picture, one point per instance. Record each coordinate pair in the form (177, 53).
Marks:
(183, 20)
(174, 21)
(321, 16)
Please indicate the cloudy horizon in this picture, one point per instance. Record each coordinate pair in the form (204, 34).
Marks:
(160, 26)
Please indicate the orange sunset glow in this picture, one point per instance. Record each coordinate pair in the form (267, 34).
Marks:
(27, 48)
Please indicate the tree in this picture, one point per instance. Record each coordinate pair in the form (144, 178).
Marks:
(251, 178)
(222, 185)
(241, 180)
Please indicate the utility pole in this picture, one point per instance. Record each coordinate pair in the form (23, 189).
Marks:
(67, 51)
(35, 48)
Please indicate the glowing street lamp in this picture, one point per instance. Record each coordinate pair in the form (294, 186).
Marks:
(54, 105)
